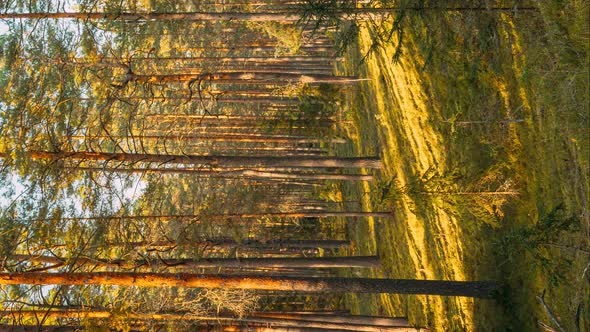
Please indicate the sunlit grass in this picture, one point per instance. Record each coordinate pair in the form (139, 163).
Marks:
(409, 146)
(413, 147)
(504, 104)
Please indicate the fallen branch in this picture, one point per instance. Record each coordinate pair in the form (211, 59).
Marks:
(549, 312)
(546, 327)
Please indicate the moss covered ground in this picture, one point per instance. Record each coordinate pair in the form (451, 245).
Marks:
(483, 126)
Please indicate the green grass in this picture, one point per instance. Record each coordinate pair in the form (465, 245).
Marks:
(479, 102)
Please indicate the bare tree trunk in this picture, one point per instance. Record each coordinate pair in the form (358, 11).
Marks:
(275, 322)
(269, 48)
(339, 319)
(304, 215)
(223, 244)
(39, 328)
(309, 312)
(305, 262)
(222, 137)
(237, 174)
(358, 14)
(483, 289)
(251, 119)
(218, 99)
(214, 161)
(219, 59)
(316, 329)
(245, 77)
(137, 17)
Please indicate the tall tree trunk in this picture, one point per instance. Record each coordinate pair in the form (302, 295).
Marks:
(253, 48)
(358, 14)
(225, 244)
(482, 289)
(244, 77)
(316, 329)
(197, 217)
(304, 262)
(40, 328)
(219, 59)
(339, 319)
(356, 214)
(214, 161)
(218, 99)
(225, 137)
(238, 174)
(276, 322)
(251, 119)
(309, 312)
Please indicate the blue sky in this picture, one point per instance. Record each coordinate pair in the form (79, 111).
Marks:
(67, 5)
(3, 28)
(14, 182)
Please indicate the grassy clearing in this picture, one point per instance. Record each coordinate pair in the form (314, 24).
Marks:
(483, 127)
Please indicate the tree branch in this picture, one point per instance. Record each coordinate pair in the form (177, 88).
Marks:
(549, 312)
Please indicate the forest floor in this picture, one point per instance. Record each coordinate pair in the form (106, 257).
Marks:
(483, 126)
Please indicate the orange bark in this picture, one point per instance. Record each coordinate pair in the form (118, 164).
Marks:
(215, 161)
(483, 289)
(303, 262)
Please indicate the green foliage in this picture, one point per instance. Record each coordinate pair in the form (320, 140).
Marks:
(323, 13)
(384, 31)
(321, 102)
(9, 46)
(316, 105)
(330, 192)
(288, 37)
(471, 197)
(387, 32)
(468, 67)
(538, 241)
(10, 231)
